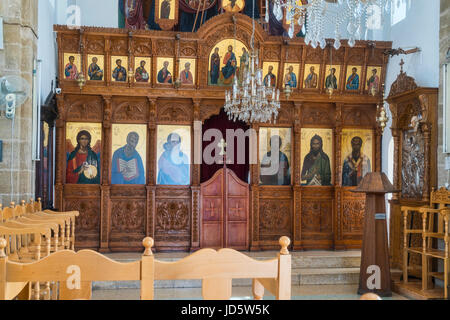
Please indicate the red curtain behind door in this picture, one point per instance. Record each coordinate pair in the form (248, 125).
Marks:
(222, 123)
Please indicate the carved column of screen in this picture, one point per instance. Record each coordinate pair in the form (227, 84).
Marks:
(59, 165)
(254, 191)
(107, 73)
(378, 142)
(426, 128)
(195, 188)
(297, 180)
(105, 187)
(397, 178)
(337, 219)
(151, 180)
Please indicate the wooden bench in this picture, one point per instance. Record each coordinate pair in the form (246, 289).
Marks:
(216, 269)
(75, 272)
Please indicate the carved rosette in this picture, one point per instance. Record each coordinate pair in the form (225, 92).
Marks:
(89, 218)
(128, 216)
(83, 108)
(275, 218)
(174, 112)
(353, 215)
(172, 217)
(130, 110)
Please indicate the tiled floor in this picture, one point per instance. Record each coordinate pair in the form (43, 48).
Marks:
(305, 292)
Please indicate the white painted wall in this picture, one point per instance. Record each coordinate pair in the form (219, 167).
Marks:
(413, 24)
(98, 13)
(46, 45)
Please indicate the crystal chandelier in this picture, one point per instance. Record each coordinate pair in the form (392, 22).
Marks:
(252, 100)
(318, 13)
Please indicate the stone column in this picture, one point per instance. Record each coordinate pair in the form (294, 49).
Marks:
(20, 49)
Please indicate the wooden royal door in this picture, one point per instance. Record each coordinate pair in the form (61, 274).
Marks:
(224, 212)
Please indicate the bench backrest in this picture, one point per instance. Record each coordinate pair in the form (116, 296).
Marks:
(74, 271)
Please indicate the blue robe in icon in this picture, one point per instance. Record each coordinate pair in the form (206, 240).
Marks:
(134, 174)
(173, 170)
(353, 82)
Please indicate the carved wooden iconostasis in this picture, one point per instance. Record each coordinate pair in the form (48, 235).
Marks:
(415, 159)
(116, 217)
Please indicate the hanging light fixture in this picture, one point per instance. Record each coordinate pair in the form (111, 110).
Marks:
(330, 87)
(382, 117)
(81, 80)
(252, 100)
(335, 12)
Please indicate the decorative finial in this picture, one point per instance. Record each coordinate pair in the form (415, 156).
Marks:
(12, 204)
(284, 243)
(222, 144)
(370, 296)
(401, 65)
(22, 203)
(148, 244)
(2, 247)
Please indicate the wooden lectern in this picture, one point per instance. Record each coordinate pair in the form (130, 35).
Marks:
(375, 274)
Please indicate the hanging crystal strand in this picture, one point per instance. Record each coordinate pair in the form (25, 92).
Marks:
(267, 11)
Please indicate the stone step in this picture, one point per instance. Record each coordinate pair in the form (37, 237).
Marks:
(309, 267)
(319, 262)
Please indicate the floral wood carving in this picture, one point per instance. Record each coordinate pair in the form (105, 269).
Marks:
(95, 45)
(316, 116)
(84, 109)
(174, 113)
(357, 117)
(188, 49)
(353, 215)
(119, 46)
(313, 55)
(143, 47)
(70, 43)
(128, 216)
(294, 53)
(131, 111)
(89, 218)
(272, 53)
(275, 217)
(316, 215)
(356, 56)
(165, 48)
(172, 216)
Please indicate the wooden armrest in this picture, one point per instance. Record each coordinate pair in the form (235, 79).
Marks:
(69, 213)
(409, 208)
(430, 210)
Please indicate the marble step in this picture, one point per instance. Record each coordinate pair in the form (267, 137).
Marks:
(321, 276)
(310, 267)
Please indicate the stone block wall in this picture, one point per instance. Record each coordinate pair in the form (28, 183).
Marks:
(20, 47)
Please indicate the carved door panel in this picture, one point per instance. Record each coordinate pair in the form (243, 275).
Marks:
(224, 212)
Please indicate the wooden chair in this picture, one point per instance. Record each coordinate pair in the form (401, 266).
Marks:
(69, 239)
(10, 238)
(216, 269)
(433, 227)
(74, 271)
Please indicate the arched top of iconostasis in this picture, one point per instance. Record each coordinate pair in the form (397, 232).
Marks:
(222, 27)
